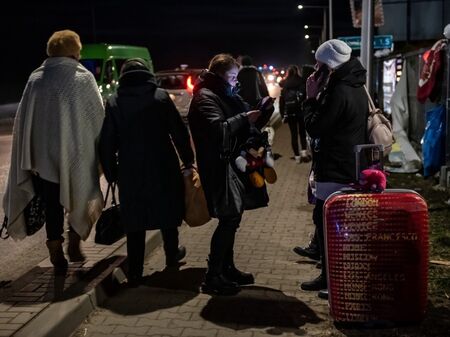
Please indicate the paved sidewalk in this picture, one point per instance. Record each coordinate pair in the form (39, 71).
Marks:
(170, 304)
(44, 305)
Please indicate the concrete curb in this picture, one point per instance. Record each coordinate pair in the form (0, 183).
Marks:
(62, 318)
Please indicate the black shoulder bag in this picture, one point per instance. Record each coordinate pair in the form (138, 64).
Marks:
(109, 228)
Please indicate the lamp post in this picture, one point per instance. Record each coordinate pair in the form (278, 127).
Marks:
(330, 17)
(367, 40)
(312, 45)
(322, 36)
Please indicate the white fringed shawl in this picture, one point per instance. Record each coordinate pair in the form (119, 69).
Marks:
(55, 133)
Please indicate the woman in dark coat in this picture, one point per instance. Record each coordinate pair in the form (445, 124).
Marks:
(220, 123)
(336, 118)
(137, 141)
(293, 93)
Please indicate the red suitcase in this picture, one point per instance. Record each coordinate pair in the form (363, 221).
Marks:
(377, 255)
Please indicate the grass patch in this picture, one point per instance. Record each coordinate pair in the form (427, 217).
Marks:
(439, 213)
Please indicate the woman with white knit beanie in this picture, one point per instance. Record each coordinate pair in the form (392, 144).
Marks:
(336, 112)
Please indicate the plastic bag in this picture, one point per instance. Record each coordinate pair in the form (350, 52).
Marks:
(433, 141)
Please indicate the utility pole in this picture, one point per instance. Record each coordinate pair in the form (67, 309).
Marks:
(330, 18)
(367, 25)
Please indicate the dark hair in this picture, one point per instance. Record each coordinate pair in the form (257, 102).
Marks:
(246, 60)
(307, 70)
(221, 63)
(293, 70)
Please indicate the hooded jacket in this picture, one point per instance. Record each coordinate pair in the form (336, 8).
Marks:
(252, 85)
(214, 105)
(338, 119)
(142, 126)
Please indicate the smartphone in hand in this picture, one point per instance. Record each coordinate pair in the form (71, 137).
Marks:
(265, 103)
(321, 72)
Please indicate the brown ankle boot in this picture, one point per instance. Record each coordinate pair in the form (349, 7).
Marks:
(57, 256)
(73, 249)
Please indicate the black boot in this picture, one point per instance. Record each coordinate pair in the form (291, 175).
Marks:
(173, 260)
(317, 284)
(135, 253)
(233, 274)
(215, 283)
(311, 251)
(323, 294)
(174, 252)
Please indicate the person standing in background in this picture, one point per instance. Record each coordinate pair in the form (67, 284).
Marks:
(291, 99)
(252, 86)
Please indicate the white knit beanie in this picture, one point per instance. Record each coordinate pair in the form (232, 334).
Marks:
(333, 53)
(447, 31)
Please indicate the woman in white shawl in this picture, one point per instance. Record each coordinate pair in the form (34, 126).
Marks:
(55, 135)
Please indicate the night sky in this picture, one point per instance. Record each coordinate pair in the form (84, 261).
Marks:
(176, 32)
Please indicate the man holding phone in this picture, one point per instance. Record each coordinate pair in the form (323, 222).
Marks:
(336, 112)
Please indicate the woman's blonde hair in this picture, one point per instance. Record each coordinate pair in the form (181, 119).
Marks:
(64, 43)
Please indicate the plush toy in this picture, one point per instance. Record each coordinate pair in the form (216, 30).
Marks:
(372, 180)
(256, 159)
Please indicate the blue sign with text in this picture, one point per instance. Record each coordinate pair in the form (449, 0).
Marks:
(379, 41)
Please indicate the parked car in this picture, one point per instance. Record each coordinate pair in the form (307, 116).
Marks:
(179, 83)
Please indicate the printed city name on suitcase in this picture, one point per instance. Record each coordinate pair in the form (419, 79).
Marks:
(377, 249)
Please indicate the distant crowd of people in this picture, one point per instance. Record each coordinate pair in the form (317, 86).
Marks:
(65, 138)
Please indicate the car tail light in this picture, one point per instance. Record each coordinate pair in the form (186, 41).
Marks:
(189, 84)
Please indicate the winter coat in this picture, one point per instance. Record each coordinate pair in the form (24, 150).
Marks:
(338, 119)
(142, 126)
(252, 85)
(293, 93)
(214, 104)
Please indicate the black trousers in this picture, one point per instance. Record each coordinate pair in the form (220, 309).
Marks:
(318, 222)
(297, 127)
(54, 211)
(136, 249)
(222, 244)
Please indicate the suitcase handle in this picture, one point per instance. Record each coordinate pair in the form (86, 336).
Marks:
(375, 148)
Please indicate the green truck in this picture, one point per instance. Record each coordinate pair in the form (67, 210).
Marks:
(105, 61)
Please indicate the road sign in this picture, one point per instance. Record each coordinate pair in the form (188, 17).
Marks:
(379, 41)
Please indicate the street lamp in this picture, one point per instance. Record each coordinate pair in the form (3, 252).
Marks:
(330, 17)
(307, 36)
(311, 26)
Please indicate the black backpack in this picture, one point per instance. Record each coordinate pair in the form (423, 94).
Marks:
(293, 97)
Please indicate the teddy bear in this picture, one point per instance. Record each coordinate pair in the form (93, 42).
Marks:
(256, 159)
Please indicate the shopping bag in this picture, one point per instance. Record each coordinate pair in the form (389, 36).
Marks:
(196, 208)
(109, 228)
(34, 213)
